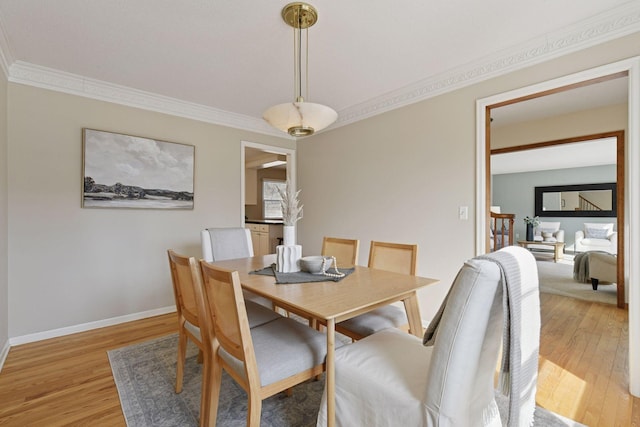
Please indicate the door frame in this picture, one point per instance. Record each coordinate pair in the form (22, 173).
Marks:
(291, 166)
(631, 67)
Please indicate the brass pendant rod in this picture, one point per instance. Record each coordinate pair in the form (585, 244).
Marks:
(295, 66)
(299, 58)
(300, 16)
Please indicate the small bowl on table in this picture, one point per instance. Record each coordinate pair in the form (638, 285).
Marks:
(547, 237)
(313, 264)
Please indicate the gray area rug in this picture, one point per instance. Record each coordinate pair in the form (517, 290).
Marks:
(557, 278)
(145, 377)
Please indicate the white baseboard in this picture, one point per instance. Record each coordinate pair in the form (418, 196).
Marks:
(24, 339)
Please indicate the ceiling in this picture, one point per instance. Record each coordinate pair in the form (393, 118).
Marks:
(255, 158)
(575, 155)
(226, 61)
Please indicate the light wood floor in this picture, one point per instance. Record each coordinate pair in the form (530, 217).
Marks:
(68, 381)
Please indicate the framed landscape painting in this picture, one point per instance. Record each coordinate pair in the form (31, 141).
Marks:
(124, 171)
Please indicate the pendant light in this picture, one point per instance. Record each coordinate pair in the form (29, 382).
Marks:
(300, 118)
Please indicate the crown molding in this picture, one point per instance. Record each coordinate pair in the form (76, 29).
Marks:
(616, 23)
(61, 81)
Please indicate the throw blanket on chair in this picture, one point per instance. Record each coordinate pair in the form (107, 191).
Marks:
(581, 268)
(521, 332)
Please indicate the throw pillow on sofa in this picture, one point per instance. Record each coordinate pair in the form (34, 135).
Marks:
(596, 233)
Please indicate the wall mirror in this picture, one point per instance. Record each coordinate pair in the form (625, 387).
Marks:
(583, 200)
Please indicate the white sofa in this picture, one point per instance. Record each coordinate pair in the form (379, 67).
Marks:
(597, 237)
(548, 232)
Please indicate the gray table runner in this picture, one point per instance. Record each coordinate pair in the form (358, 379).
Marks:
(301, 276)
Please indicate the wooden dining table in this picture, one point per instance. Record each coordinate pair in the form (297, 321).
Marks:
(331, 302)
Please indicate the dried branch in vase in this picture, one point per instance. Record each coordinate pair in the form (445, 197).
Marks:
(291, 207)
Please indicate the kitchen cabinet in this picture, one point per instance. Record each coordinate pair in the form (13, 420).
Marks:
(259, 238)
(264, 237)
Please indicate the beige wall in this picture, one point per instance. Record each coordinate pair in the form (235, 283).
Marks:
(402, 175)
(4, 283)
(70, 265)
(588, 122)
(399, 176)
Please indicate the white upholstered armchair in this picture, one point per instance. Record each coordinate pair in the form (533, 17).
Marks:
(597, 237)
(547, 232)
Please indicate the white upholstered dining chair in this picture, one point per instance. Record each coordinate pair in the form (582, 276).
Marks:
(219, 244)
(392, 379)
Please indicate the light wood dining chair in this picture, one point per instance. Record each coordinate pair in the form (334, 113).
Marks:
(344, 250)
(346, 253)
(264, 360)
(395, 257)
(185, 276)
(194, 322)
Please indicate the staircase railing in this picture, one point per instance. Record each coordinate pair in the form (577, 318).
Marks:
(586, 205)
(502, 226)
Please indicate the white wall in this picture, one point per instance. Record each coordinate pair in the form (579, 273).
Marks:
(401, 176)
(70, 266)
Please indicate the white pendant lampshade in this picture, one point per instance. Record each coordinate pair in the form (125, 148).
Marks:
(299, 118)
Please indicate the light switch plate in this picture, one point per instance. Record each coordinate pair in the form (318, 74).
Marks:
(463, 213)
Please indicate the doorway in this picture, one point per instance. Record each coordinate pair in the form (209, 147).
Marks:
(258, 161)
(632, 181)
(607, 149)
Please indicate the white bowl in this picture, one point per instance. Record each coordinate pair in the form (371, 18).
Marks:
(313, 264)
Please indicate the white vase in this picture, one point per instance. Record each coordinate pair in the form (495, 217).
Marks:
(289, 235)
(288, 258)
(288, 254)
